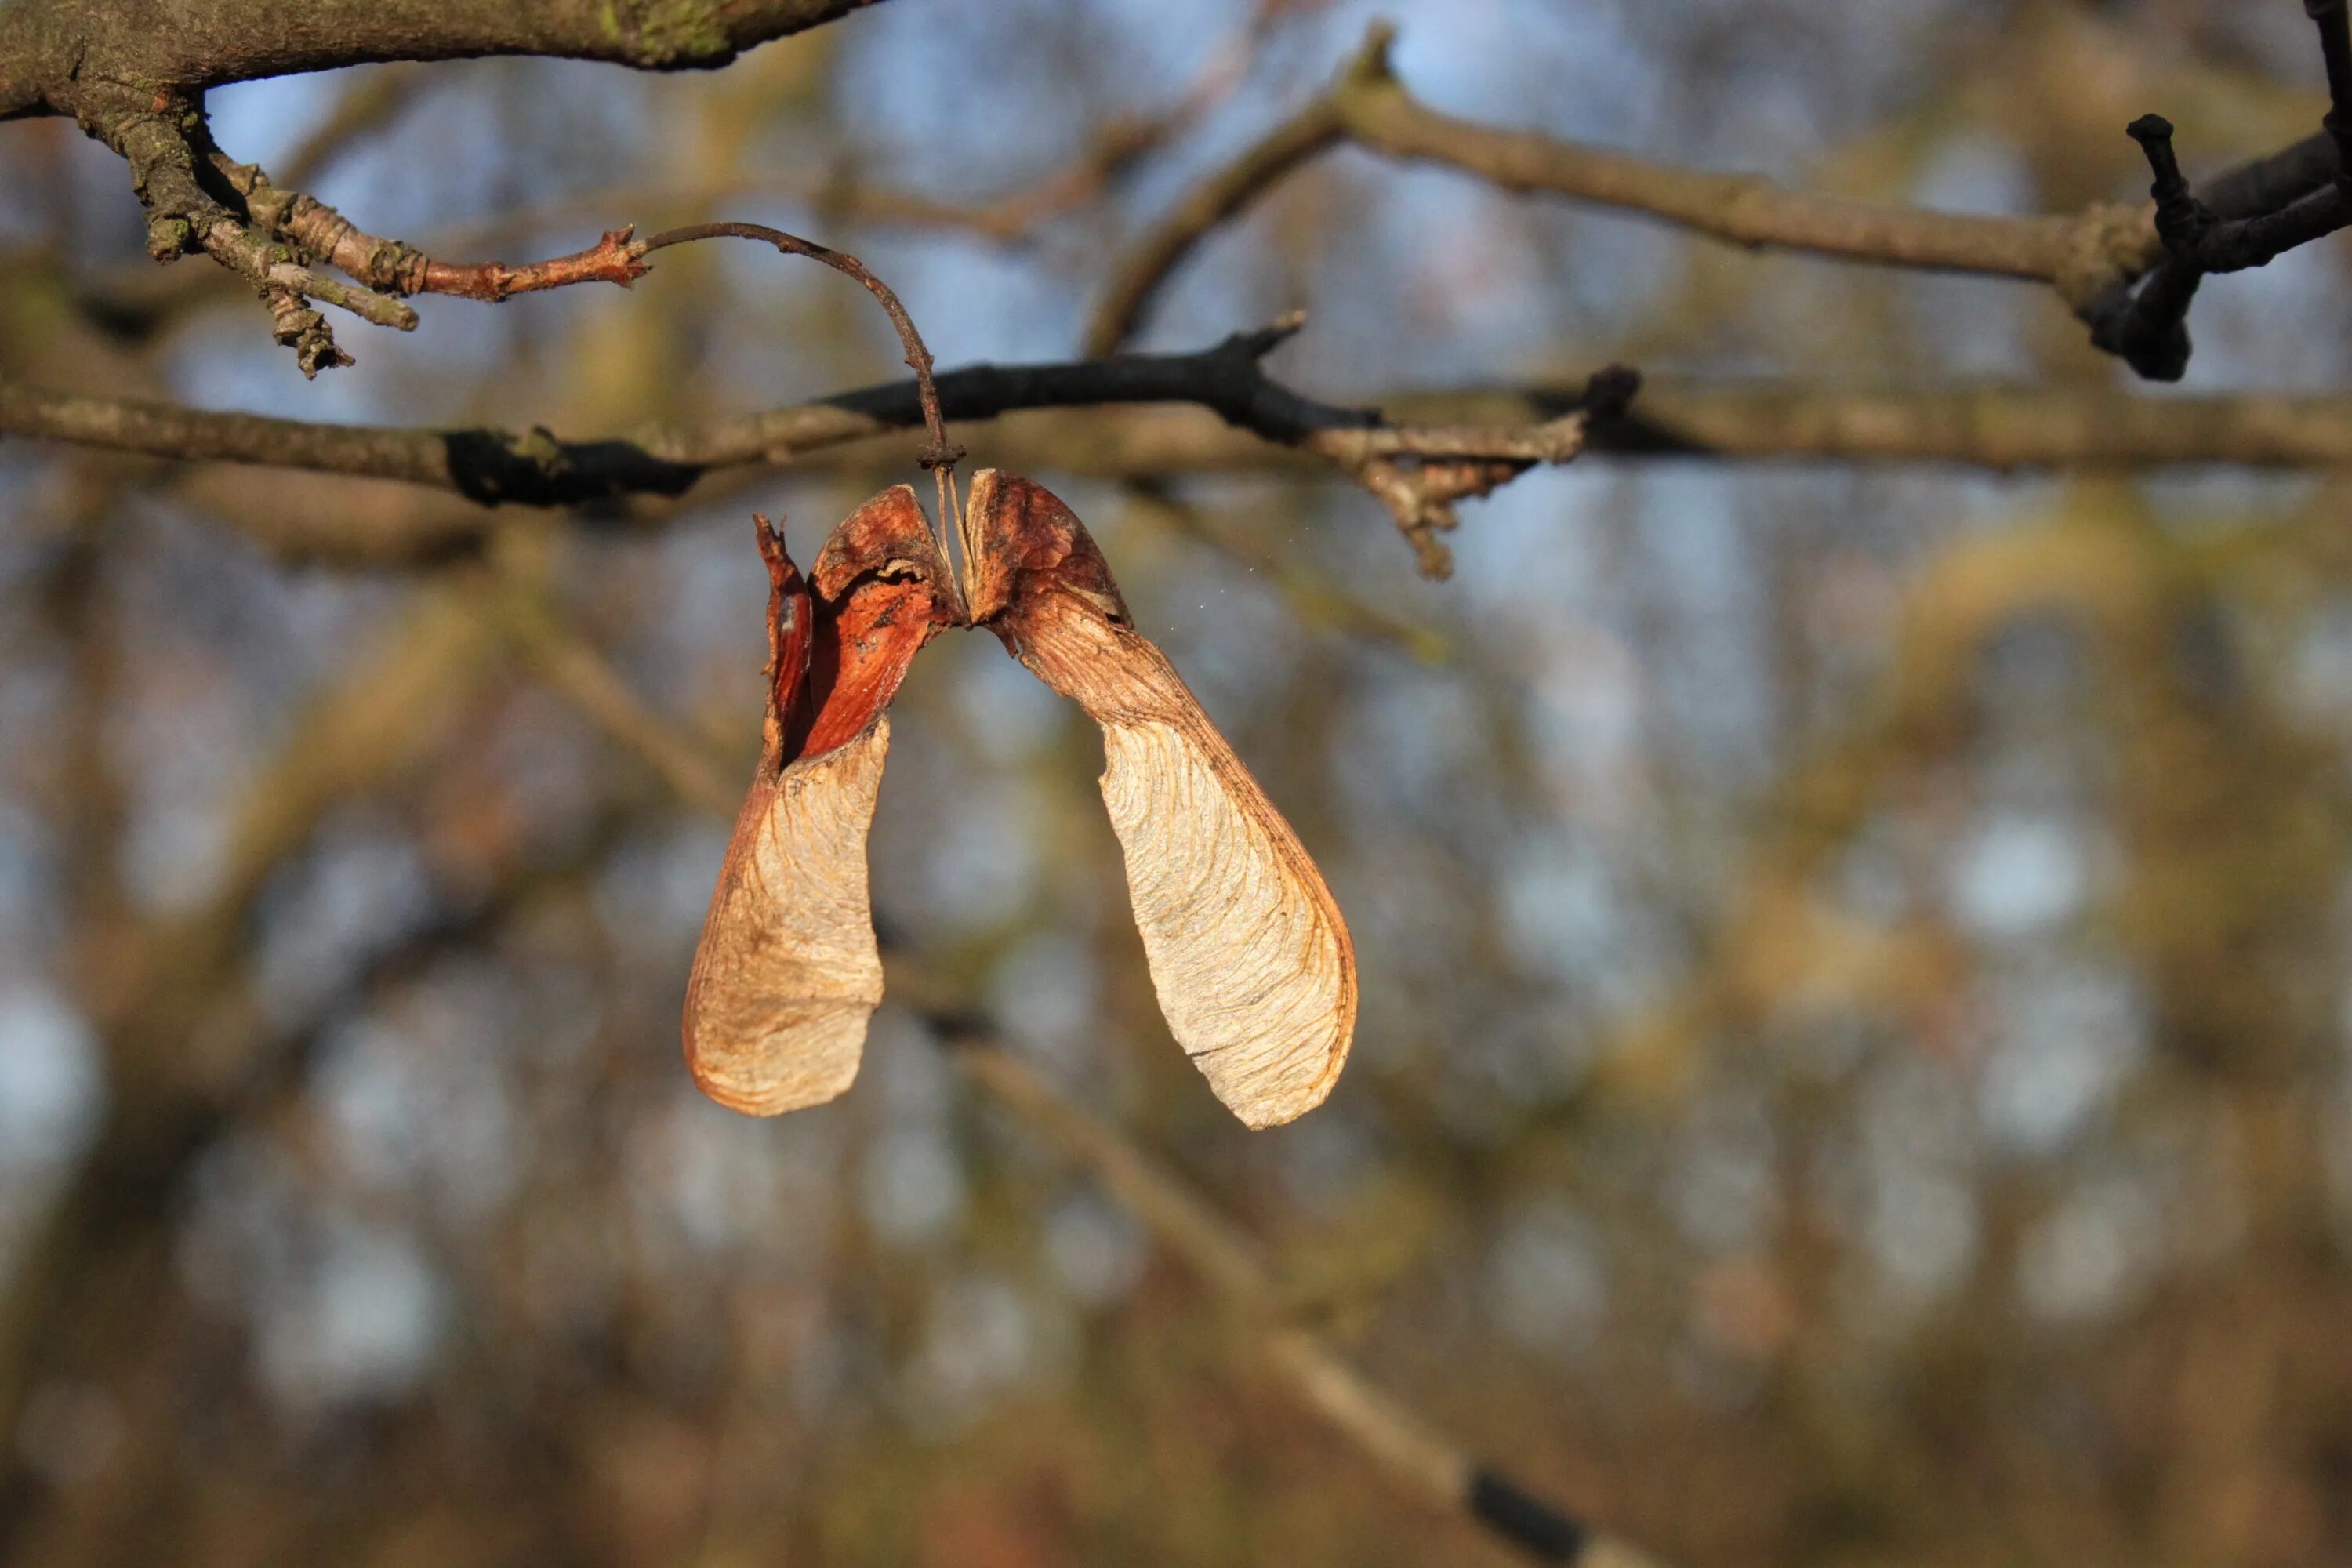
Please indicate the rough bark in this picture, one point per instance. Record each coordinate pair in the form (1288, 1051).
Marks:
(52, 51)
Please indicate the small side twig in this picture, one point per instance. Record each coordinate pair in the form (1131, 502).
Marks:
(1142, 272)
(173, 171)
(1419, 474)
(396, 268)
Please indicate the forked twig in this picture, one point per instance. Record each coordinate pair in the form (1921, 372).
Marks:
(2148, 328)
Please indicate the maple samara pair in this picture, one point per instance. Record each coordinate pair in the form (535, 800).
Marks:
(1248, 954)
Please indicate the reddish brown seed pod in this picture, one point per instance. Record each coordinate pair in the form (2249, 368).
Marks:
(788, 972)
(1248, 952)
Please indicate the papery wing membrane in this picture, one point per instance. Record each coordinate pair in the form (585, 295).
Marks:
(1249, 955)
(788, 970)
(1252, 963)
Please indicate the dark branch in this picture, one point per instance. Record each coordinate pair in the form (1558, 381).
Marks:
(1255, 427)
(2303, 194)
(1416, 472)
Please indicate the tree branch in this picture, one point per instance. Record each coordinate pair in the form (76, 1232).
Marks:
(2091, 259)
(1418, 471)
(2150, 329)
(48, 48)
(2082, 256)
(1136, 279)
(1237, 423)
(132, 73)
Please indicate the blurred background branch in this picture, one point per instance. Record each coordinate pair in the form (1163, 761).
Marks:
(1849, 872)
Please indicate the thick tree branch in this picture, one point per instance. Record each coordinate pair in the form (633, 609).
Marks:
(50, 48)
(134, 74)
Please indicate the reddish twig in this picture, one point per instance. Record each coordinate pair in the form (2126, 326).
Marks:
(614, 258)
(939, 454)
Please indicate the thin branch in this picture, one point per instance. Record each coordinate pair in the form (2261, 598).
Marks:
(1136, 279)
(2076, 253)
(1419, 472)
(939, 452)
(397, 267)
(1094, 416)
(840, 197)
(2082, 256)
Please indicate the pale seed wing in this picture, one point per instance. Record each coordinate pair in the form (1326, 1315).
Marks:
(788, 970)
(1248, 953)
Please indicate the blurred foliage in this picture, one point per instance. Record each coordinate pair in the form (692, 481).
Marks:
(1851, 1069)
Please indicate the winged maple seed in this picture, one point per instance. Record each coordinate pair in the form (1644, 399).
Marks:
(788, 970)
(1247, 951)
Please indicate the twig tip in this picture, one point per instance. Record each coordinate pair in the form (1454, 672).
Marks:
(1371, 62)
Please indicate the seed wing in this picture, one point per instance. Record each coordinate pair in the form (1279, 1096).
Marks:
(1248, 952)
(788, 970)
